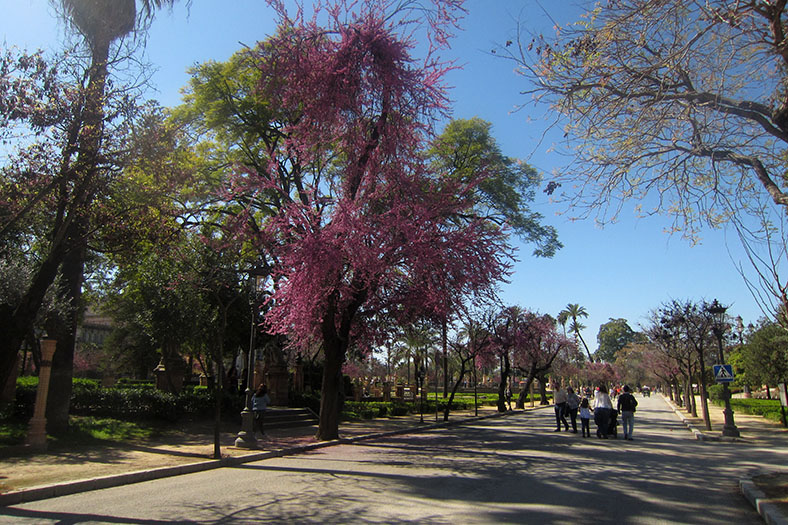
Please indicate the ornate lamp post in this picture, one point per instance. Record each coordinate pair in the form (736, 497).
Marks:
(717, 312)
(246, 437)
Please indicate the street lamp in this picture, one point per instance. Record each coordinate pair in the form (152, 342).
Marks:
(246, 438)
(717, 312)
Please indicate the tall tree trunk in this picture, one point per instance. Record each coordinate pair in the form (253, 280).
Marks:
(588, 352)
(330, 400)
(463, 370)
(505, 369)
(65, 331)
(543, 390)
(336, 339)
(704, 403)
(445, 344)
(67, 238)
(526, 388)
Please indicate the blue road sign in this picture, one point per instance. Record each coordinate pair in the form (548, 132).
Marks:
(723, 373)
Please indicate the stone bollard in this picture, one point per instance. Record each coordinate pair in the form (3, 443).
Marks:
(37, 432)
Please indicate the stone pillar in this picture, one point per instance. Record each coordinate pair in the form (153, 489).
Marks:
(169, 380)
(298, 377)
(277, 381)
(37, 432)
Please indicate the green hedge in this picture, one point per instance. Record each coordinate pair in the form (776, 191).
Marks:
(88, 398)
(768, 408)
(373, 409)
(137, 400)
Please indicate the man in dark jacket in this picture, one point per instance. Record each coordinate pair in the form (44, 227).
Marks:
(626, 407)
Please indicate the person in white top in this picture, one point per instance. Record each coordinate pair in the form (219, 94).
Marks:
(559, 399)
(602, 408)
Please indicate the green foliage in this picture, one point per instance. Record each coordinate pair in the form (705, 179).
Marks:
(141, 384)
(612, 337)
(715, 392)
(373, 409)
(88, 398)
(765, 355)
(768, 408)
(465, 149)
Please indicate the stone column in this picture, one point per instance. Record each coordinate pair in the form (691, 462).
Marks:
(37, 432)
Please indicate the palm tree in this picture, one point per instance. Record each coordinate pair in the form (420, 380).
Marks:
(100, 23)
(563, 318)
(574, 311)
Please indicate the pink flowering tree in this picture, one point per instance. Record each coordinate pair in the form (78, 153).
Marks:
(473, 346)
(505, 329)
(362, 234)
(539, 345)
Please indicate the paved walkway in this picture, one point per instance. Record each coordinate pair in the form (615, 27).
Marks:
(755, 431)
(28, 478)
(43, 476)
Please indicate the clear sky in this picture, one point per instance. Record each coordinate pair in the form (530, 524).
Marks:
(624, 270)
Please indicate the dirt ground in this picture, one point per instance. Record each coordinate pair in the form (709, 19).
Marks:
(182, 446)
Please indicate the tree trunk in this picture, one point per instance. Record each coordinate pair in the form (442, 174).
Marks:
(17, 323)
(588, 352)
(67, 239)
(524, 391)
(704, 402)
(543, 391)
(454, 389)
(65, 331)
(505, 369)
(330, 400)
(445, 344)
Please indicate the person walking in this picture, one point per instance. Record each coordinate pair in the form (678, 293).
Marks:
(572, 404)
(602, 409)
(626, 406)
(585, 417)
(260, 402)
(559, 399)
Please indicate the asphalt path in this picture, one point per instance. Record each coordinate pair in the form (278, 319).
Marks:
(512, 469)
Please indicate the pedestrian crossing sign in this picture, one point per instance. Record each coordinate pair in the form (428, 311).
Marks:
(723, 373)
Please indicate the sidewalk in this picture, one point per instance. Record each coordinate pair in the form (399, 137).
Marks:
(41, 476)
(754, 430)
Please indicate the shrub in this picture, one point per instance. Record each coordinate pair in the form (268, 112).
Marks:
(88, 398)
(768, 408)
(715, 392)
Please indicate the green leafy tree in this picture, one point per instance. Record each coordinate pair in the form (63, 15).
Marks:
(467, 148)
(612, 337)
(71, 178)
(765, 355)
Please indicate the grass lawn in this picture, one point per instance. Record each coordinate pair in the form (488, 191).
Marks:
(84, 430)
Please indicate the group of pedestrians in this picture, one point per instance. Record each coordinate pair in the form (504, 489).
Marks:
(568, 403)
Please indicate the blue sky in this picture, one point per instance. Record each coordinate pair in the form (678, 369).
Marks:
(624, 270)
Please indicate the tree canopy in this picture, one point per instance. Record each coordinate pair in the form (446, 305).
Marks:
(612, 337)
(679, 105)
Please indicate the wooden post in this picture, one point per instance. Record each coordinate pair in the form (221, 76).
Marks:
(37, 432)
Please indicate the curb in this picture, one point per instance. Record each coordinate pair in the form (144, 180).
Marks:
(770, 513)
(116, 480)
(699, 435)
